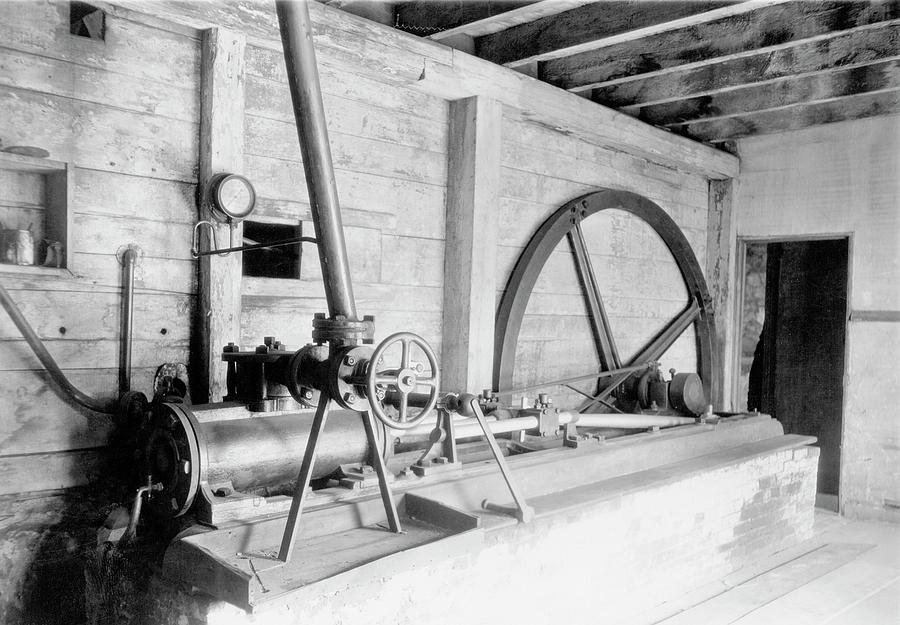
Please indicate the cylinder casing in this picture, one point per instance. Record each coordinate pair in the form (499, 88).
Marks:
(221, 444)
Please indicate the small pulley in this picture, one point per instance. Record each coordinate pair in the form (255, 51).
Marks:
(397, 384)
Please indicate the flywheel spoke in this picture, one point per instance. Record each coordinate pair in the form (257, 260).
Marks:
(651, 352)
(667, 337)
(603, 337)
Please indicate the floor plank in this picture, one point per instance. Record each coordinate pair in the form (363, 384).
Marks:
(848, 573)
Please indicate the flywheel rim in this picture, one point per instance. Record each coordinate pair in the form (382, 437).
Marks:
(560, 224)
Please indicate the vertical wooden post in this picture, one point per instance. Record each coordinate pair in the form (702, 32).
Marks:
(470, 257)
(720, 244)
(221, 151)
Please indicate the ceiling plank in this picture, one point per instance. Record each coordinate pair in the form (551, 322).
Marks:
(817, 87)
(768, 28)
(796, 117)
(381, 11)
(509, 18)
(846, 50)
(437, 17)
(596, 25)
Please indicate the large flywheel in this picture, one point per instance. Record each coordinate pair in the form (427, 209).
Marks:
(613, 371)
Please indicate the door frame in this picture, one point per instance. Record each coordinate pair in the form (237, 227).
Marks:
(738, 322)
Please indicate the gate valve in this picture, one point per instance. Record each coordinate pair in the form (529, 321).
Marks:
(401, 380)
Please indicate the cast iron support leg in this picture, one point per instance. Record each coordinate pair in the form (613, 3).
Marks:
(302, 486)
(387, 497)
(524, 513)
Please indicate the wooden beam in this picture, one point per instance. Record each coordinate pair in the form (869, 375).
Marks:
(379, 11)
(844, 51)
(428, 18)
(534, 101)
(470, 252)
(764, 29)
(597, 25)
(440, 20)
(720, 244)
(399, 58)
(796, 117)
(221, 151)
(508, 19)
(817, 87)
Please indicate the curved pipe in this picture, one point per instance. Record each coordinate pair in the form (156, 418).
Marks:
(34, 341)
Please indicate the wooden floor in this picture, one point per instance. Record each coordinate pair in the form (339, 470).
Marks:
(847, 574)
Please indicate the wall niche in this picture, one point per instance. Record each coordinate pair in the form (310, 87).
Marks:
(35, 214)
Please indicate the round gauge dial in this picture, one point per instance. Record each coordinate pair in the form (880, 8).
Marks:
(234, 196)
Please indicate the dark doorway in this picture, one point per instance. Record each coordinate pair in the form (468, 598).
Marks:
(797, 366)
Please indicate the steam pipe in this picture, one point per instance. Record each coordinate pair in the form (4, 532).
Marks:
(37, 346)
(303, 77)
(129, 258)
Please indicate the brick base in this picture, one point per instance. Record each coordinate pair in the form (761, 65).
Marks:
(651, 537)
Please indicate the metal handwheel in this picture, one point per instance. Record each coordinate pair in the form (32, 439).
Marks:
(402, 380)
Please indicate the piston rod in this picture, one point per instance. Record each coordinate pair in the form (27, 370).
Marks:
(303, 77)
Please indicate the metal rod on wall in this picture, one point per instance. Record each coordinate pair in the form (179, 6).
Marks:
(129, 257)
(303, 77)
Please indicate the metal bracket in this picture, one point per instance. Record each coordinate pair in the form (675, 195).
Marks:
(523, 512)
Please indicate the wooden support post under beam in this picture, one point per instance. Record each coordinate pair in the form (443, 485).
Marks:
(470, 256)
(221, 151)
(720, 244)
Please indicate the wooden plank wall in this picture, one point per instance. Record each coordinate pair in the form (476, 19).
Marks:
(542, 170)
(390, 152)
(389, 146)
(124, 112)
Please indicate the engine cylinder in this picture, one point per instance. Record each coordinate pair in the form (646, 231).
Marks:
(217, 444)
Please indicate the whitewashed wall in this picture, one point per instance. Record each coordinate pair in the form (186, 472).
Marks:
(845, 179)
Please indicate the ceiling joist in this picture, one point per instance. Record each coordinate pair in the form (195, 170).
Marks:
(601, 24)
(797, 117)
(809, 89)
(774, 27)
(846, 50)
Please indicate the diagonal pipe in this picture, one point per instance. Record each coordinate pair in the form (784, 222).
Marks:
(303, 77)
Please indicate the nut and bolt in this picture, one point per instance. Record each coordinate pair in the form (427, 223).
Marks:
(349, 398)
(350, 360)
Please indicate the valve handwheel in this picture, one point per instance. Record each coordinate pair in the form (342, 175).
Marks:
(403, 380)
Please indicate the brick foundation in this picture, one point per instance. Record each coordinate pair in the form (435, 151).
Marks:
(650, 537)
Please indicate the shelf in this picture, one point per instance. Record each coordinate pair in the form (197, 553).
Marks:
(36, 195)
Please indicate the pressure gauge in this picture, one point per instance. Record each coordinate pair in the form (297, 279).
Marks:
(233, 196)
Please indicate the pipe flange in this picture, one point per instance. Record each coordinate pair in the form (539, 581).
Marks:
(341, 329)
(135, 248)
(173, 459)
(346, 377)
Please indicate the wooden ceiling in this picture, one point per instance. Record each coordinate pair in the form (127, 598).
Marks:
(713, 71)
